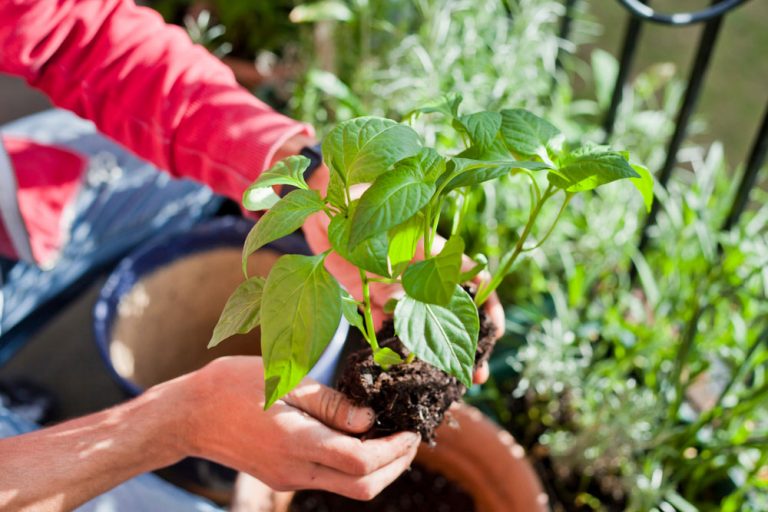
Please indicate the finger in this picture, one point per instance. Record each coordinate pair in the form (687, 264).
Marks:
(481, 374)
(361, 487)
(359, 458)
(495, 312)
(330, 407)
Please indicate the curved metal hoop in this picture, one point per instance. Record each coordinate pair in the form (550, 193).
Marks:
(639, 9)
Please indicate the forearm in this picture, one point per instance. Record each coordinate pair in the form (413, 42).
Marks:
(61, 467)
(145, 85)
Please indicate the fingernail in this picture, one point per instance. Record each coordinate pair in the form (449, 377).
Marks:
(361, 417)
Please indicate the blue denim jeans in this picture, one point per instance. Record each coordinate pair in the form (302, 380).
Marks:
(145, 493)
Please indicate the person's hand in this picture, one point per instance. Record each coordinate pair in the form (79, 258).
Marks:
(298, 443)
(316, 232)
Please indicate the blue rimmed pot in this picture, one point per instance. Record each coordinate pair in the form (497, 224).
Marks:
(157, 310)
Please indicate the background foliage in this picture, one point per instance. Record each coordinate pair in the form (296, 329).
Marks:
(645, 394)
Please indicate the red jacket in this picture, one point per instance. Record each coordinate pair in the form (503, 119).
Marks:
(145, 85)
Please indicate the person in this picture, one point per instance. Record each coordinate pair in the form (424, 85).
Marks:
(145, 85)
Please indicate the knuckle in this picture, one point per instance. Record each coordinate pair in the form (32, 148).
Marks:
(364, 491)
(331, 403)
(354, 463)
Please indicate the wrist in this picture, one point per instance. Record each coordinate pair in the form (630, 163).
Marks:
(168, 412)
(292, 146)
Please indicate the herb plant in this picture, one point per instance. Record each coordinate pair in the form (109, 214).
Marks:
(299, 305)
(648, 395)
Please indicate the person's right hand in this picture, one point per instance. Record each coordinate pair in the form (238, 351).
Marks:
(298, 443)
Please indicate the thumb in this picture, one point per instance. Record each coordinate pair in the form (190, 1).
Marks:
(330, 407)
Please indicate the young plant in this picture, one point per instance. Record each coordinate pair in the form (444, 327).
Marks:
(300, 304)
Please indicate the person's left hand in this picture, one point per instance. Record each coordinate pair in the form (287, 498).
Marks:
(316, 232)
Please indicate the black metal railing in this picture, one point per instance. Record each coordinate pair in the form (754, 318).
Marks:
(639, 13)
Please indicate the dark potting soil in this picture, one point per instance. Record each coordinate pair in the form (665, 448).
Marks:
(412, 396)
(417, 490)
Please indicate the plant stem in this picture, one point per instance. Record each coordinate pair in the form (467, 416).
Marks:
(682, 355)
(567, 200)
(506, 263)
(370, 331)
(427, 233)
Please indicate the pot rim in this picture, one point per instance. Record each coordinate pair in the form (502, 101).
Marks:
(163, 250)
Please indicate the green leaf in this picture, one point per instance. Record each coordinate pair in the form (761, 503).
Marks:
(467, 172)
(644, 184)
(495, 151)
(386, 357)
(403, 241)
(370, 255)
(443, 336)
(393, 198)
(324, 10)
(482, 262)
(434, 280)
(284, 218)
(333, 87)
(363, 148)
(527, 135)
(259, 198)
(349, 309)
(590, 170)
(389, 306)
(288, 171)
(241, 313)
(605, 67)
(427, 161)
(299, 319)
(336, 188)
(447, 105)
(482, 127)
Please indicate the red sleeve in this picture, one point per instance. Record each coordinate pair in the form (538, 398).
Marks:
(144, 84)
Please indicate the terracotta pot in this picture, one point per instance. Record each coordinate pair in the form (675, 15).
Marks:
(471, 450)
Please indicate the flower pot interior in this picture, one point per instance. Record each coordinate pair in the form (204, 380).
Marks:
(164, 322)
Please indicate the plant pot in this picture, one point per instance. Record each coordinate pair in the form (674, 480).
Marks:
(157, 310)
(471, 451)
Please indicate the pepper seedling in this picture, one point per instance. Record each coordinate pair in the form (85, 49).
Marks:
(300, 304)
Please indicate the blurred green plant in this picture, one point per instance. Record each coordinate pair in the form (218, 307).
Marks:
(384, 57)
(649, 396)
(203, 31)
(251, 27)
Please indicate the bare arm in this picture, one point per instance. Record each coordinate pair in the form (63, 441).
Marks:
(215, 413)
(61, 467)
